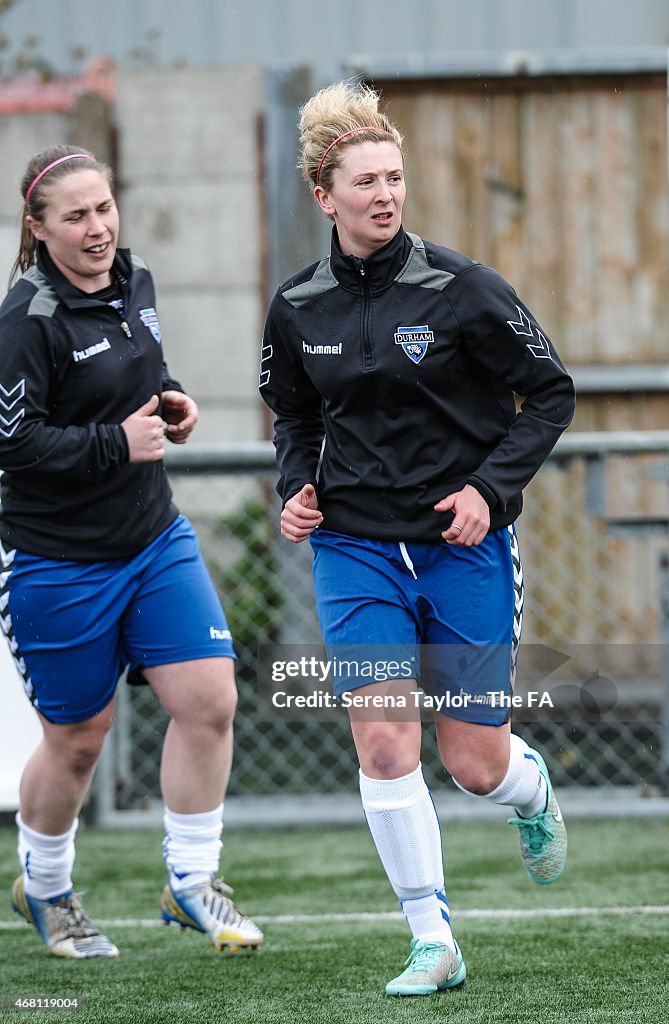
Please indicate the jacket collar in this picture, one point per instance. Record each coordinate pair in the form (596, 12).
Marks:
(67, 292)
(378, 271)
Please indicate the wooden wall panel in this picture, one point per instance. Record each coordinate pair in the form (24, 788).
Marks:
(559, 183)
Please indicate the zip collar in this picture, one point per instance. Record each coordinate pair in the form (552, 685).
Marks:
(68, 293)
(378, 271)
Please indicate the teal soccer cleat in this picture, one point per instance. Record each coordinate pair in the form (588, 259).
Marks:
(63, 924)
(543, 838)
(208, 908)
(430, 966)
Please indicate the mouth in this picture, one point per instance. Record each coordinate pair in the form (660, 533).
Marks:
(382, 218)
(98, 250)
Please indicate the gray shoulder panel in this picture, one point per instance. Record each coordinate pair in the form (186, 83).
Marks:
(323, 280)
(45, 300)
(418, 271)
(137, 262)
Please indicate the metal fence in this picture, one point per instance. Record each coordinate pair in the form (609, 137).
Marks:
(595, 546)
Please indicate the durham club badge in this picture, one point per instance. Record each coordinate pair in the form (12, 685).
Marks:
(149, 318)
(414, 341)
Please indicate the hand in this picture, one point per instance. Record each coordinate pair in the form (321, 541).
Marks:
(180, 415)
(300, 515)
(471, 516)
(144, 433)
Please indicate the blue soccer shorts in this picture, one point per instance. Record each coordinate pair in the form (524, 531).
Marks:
(446, 615)
(73, 627)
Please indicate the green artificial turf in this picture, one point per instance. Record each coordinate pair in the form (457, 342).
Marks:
(568, 968)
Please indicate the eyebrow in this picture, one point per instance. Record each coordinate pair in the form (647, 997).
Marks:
(82, 209)
(373, 174)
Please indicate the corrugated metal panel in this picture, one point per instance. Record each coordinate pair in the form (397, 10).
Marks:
(294, 31)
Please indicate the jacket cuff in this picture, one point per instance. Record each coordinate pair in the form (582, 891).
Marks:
(123, 443)
(488, 496)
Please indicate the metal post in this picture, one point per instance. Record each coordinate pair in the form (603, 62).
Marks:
(664, 668)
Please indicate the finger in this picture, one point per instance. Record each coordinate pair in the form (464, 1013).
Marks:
(149, 407)
(297, 530)
(300, 513)
(296, 523)
(455, 534)
(178, 414)
(308, 517)
(308, 497)
(294, 534)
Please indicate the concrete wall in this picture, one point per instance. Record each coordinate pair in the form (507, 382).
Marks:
(21, 135)
(191, 206)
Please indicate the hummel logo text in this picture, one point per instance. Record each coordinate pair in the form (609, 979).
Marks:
(93, 350)
(219, 634)
(321, 350)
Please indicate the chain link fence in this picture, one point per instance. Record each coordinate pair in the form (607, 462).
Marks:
(594, 540)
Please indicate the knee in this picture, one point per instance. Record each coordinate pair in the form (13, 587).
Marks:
(223, 698)
(82, 751)
(198, 695)
(215, 710)
(479, 778)
(384, 756)
(223, 707)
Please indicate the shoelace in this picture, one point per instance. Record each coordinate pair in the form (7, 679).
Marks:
(222, 906)
(73, 919)
(535, 832)
(426, 956)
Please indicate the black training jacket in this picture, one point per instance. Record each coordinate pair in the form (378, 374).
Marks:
(394, 383)
(71, 370)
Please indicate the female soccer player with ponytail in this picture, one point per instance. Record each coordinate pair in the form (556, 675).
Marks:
(392, 366)
(99, 570)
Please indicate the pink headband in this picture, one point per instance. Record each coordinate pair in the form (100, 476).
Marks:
(353, 131)
(60, 160)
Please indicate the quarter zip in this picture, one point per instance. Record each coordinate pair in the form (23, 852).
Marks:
(366, 345)
(125, 327)
(118, 315)
(119, 306)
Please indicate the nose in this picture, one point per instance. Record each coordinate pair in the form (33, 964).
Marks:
(95, 225)
(384, 193)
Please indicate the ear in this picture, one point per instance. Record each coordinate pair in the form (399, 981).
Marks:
(324, 200)
(36, 228)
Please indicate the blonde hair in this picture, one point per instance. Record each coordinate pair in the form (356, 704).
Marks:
(42, 170)
(328, 118)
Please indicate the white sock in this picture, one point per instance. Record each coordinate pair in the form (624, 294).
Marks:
(47, 861)
(192, 846)
(405, 829)
(523, 787)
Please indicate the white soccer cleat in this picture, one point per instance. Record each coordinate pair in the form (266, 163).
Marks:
(63, 924)
(208, 908)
